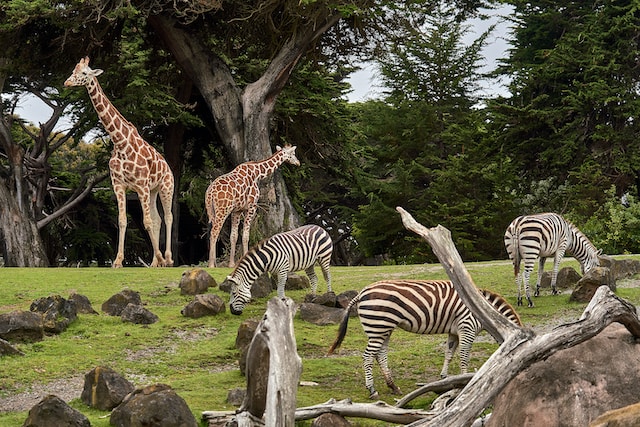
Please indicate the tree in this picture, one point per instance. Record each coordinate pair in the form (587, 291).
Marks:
(429, 146)
(573, 87)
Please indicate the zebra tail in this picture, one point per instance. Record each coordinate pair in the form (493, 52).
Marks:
(515, 241)
(342, 330)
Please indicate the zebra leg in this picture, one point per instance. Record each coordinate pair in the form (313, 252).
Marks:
(466, 338)
(313, 279)
(367, 363)
(282, 281)
(526, 276)
(382, 358)
(519, 287)
(324, 265)
(452, 345)
(541, 262)
(556, 266)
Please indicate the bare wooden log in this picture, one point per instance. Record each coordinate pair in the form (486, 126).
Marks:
(440, 386)
(520, 348)
(377, 411)
(273, 369)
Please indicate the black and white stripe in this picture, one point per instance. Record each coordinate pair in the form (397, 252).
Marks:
(282, 253)
(532, 237)
(419, 306)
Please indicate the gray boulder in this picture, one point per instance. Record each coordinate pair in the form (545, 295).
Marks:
(320, 314)
(6, 349)
(196, 281)
(573, 386)
(137, 314)
(57, 313)
(204, 305)
(620, 268)
(586, 287)
(83, 305)
(21, 326)
(54, 412)
(330, 420)
(104, 388)
(118, 302)
(156, 405)
(567, 278)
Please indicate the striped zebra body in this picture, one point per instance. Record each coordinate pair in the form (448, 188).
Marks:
(532, 237)
(282, 253)
(419, 306)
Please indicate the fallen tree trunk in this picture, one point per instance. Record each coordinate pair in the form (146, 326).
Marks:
(520, 347)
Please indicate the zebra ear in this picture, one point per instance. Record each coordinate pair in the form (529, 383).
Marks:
(231, 279)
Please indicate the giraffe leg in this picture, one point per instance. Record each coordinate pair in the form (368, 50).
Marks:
(233, 240)
(166, 198)
(246, 227)
(149, 217)
(122, 223)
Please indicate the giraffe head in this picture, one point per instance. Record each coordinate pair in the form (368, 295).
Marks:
(82, 74)
(289, 154)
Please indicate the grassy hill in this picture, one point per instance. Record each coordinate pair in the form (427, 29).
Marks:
(197, 358)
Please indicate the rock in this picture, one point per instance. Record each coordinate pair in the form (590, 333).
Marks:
(156, 405)
(294, 282)
(330, 420)
(343, 299)
(620, 268)
(83, 305)
(57, 313)
(21, 326)
(138, 314)
(6, 349)
(54, 412)
(320, 315)
(259, 289)
(573, 386)
(629, 416)
(114, 305)
(236, 396)
(567, 278)
(586, 287)
(327, 299)
(196, 281)
(104, 388)
(246, 330)
(204, 305)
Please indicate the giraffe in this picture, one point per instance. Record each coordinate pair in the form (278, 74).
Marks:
(134, 165)
(237, 193)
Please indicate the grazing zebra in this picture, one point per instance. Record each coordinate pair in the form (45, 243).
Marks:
(419, 306)
(281, 253)
(540, 236)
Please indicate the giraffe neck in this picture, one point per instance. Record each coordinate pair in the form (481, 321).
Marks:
(264, 168)
(119, 129)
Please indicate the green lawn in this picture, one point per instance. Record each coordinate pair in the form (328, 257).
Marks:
(197, 356)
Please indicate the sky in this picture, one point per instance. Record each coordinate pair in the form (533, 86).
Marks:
(365, 83)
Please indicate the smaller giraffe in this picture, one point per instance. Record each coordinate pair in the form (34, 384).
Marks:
(134, 165)
(237, 193)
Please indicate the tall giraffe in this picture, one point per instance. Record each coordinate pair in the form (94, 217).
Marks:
(134, 165)
(237, 193)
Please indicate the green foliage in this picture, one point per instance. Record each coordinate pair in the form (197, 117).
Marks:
(615, 226)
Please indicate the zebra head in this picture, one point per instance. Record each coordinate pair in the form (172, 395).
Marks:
(592, 261)
(240, 295)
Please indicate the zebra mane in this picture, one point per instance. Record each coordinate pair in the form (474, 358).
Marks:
(502, 305)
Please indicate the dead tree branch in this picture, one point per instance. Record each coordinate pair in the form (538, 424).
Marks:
(520, 348)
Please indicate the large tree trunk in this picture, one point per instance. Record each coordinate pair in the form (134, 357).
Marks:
(22, 245)
(242, 117)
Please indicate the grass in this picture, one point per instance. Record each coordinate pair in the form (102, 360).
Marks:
(197, 357)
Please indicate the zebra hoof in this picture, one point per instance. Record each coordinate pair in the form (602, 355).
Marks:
(530, 305)
(374, 396)
(519, 302)
(554, 292)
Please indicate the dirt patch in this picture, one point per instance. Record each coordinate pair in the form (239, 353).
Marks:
(66, 389)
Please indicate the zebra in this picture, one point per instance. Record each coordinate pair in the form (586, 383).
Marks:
(540, 236)
(281, 253)
(419, 306)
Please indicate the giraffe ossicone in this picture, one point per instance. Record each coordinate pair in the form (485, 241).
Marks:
(237, 193)
(134, 165)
